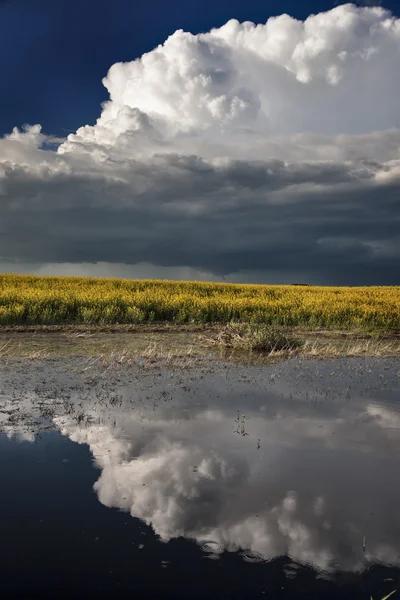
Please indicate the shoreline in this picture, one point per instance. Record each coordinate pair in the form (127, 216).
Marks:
(172, 342)
(170, 327)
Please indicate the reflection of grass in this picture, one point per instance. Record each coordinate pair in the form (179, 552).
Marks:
(386, 597)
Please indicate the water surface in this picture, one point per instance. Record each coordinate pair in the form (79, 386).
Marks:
(273, 482)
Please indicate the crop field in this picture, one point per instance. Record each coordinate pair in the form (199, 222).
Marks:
(26, 299)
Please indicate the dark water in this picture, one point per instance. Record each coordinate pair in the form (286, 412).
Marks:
(281, 482)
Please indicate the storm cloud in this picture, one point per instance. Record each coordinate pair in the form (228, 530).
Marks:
(252, 152)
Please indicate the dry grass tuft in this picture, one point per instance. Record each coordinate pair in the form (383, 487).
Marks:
(152, 356)
(256, 338)
(37, 354)
(364, 347)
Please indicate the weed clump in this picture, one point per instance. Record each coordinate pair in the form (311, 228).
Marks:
(256, 338)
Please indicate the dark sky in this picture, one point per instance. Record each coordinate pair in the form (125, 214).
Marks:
(54, 53)
(265, 153)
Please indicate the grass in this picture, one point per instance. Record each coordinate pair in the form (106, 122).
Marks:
(274, 342)
(177, 351)
(172, 347)
(31, 301)
(256, 338)
(264, 321)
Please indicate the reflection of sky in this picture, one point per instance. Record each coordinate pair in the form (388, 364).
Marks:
(323, 478)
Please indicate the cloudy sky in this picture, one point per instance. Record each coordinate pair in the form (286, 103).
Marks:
(239, 141)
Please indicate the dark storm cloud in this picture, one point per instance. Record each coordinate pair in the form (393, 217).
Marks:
(332, 221)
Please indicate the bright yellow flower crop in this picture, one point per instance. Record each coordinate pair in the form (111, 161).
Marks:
(29, 299)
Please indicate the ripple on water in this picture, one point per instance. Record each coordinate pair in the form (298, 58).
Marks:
(251, 556)
(290, 570)
(212, 547)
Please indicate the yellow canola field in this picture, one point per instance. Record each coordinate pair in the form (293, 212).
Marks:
(26, 299)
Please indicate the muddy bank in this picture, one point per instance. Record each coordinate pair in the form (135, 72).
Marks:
(177, 340)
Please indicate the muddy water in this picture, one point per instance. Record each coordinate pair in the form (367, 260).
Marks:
(223, 481)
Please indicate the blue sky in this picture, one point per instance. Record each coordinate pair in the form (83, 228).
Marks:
(234, 140)
(54, 53)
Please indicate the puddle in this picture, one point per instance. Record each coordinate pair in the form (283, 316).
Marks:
(272, 482)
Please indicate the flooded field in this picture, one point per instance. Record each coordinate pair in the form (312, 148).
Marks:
(225, 481)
